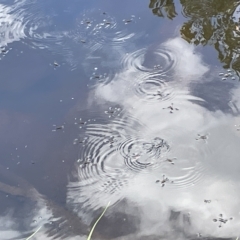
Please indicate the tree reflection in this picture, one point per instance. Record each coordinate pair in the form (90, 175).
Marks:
(163, 7)
(210, 22)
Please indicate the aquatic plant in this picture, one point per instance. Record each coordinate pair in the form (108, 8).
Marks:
(95, 224)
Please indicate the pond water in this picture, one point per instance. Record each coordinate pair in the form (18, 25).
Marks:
(132, 105)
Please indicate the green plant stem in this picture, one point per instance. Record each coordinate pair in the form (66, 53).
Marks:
(95, 224)
(34, 233)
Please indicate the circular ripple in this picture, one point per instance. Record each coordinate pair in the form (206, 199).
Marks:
(97, 29)
(113, 155)
(190, 170)
(198, 9)
(156, 61)
(190, 177)
(153, 89)
(118, 146)
(12, 27)
(25, 20)
(139, 154)
(103, 38)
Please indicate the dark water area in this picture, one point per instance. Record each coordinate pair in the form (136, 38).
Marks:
(132, 105)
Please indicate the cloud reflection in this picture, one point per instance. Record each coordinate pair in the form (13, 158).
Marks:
(205, 146)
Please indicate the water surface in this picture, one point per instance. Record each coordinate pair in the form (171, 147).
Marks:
(135, 103)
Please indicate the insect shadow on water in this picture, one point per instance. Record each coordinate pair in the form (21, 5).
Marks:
(156, 146)
(164, 180)
(161, 95)
(221, 220)
(60, 127)
(81, 123)
(80, 141)
(111, 140)
(202, 137)
(171, 108)
(98, 77)
(113, 111)
(127, 21)
(87, 161)
(171, 161)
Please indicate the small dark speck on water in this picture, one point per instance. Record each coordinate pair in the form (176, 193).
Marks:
(203, 137)
(59, 127)
(170, 161)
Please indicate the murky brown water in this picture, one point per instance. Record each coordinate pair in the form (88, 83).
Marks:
(135, 104)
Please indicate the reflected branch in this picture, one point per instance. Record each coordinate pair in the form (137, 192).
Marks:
(163, 8)
(214, 23)
(209, 22)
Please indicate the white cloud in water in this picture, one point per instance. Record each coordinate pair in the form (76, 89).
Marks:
(187, 67)
(203, 169)
(189, 63)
